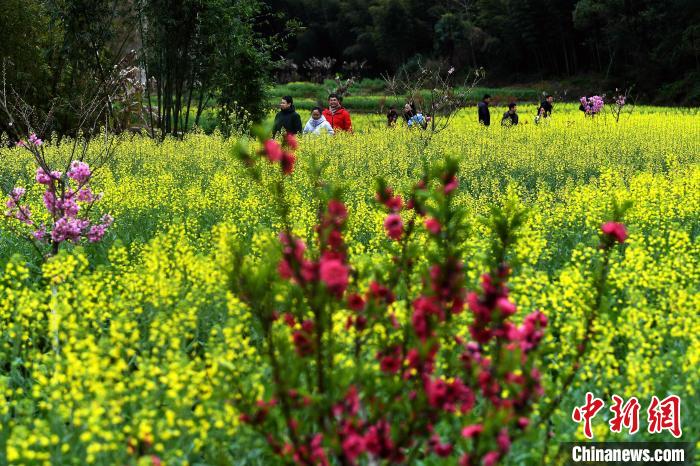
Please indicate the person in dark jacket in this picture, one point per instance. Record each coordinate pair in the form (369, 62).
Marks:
(392, 117)
(483, 109)
(510, 118)
(545, 108)
(287, 118)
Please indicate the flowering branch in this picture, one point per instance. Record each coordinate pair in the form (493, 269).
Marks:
(620, 102)
(68, 201)
(592, 105)
(612, 233)
(433, 361)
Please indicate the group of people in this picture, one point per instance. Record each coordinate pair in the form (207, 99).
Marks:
(510, 117)
(412, 117)
(330, 120)
(336, 118)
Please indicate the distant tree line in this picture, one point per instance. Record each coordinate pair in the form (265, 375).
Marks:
(654, 44)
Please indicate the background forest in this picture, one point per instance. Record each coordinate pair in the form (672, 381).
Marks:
(654, 44)
(60, 54)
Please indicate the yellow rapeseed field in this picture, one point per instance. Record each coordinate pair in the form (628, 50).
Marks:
(135, 346)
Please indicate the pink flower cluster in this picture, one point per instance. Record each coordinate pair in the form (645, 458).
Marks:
(359, 437)
(97, 232)
(356, 434)
(492, 311)
(331, 269)
(302, 338)
(615, 230)
(444, 297)
(592, 105)
(33, 140)
(489, 326)
(393, 224)
(69, 229)
(64, 204)
(79, 171)
(373, 304)
(15, 209)
(47, 178)
(308, 452)
(276, 153)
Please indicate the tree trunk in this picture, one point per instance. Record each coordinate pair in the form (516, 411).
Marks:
(189, 100)
(566, 57)
(200, 105)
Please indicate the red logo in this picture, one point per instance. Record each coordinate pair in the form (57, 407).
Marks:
(587, 412)
(662, 415)
(665, 415)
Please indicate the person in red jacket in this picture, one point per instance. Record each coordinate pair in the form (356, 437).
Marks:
(336, 115)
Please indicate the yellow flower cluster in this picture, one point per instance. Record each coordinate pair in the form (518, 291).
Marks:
(139, 357)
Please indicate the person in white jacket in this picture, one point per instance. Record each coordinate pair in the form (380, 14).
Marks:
(318, 124)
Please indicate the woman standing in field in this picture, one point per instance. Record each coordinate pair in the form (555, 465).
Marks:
(287, 118)
(318, 124)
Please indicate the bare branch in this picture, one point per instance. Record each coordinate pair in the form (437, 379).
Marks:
(432, 89)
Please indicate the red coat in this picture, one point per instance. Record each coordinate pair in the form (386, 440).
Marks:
(340, 120)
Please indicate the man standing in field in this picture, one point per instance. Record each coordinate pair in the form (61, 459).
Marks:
(545, 109)
(483, 108)
(336, 115)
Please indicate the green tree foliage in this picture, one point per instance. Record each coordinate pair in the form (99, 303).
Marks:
(58, 54)
(25, 37)
(62, 53)
(202, 50)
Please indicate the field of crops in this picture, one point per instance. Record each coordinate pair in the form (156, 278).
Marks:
(144, 348)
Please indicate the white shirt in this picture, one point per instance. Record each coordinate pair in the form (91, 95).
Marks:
(321, 126)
